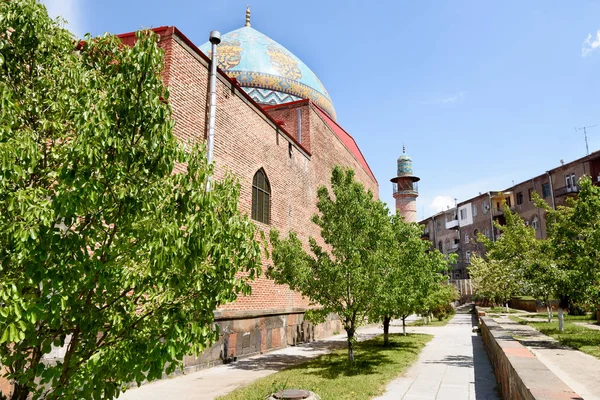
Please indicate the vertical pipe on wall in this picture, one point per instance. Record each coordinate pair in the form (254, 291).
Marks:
(215, 39)
(551, 189)
(491, 210)
(299, 125)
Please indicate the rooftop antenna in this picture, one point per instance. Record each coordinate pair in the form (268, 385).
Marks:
(583, 128)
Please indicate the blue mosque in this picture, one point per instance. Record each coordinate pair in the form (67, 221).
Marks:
(266, 70)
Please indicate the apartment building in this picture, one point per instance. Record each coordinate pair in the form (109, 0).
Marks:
(455, 230)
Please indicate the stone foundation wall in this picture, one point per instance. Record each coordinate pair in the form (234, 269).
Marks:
(243, 334)
(532, 305)
(519, 373)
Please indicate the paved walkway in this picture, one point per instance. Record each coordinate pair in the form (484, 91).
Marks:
(577, 370)
(217, 381)
(453, 366)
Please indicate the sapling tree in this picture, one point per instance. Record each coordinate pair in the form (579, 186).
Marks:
(343, 277)
(500, 274)
(410, 273)
(574, 237)
(104, 250)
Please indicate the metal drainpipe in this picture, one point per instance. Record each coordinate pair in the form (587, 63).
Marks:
(491, 215)
(551, 189)
(215, 39)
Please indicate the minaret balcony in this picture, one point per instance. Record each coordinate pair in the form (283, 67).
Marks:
(411, 188)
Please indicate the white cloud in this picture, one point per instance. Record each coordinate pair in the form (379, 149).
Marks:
(447, 99)
(444, 197)
(590, 44)
(450, 99)
(71, 11)
(440, 203)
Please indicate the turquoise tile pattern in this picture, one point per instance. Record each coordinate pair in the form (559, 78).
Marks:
(267, 71)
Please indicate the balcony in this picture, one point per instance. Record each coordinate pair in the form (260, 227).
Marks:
(452, 224)
(566, 190)
(405, 187)
(500, 211)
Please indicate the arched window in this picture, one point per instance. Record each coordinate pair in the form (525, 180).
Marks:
(440, 246)
(261, 198)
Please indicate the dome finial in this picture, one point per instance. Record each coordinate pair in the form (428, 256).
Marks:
(403, 149)
(248, 16)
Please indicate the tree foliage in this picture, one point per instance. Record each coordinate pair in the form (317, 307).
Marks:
(342, 277)
(102, 247)
(499, 275)
(412, 272)
(574, 237)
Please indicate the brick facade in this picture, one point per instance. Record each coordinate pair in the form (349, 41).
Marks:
(297, 157)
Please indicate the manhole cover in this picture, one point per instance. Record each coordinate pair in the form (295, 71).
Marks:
(294, 394)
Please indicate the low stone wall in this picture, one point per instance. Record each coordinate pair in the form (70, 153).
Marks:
(519, 373)
(246, 333)
(532, 305)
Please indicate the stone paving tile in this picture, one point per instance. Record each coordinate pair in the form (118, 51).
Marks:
(453, 366)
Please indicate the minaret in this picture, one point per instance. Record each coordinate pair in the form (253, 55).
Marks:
(405, 188)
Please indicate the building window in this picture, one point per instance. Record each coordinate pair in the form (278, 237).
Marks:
(438, 226)
(546, 190)
(508, 202)
(475, 234)
(463, 213)
(261, 198)
(519, 198)
(440, 247)
(466, 238)
(487, 233)
(531, 190)
(485, 207)
(535, 222)
(468, 256)
(474, 210)
(571, 182)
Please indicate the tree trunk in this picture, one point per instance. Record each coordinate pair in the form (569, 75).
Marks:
(424, 320)
(350, 332)
(386, 330)
(20, 392)
(549, 309)
(507, 310)
(561, 319)
(404, 325)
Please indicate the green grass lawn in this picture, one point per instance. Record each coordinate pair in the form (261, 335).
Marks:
(435, 322)
(502, 310)
(582, 318)
(578, 337)
(331, 377)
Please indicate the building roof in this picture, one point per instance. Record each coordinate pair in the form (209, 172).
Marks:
(266, 70)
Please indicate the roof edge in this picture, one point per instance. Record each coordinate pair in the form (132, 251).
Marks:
(167, 30)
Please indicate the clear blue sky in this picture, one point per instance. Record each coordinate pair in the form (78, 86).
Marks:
(482, 94)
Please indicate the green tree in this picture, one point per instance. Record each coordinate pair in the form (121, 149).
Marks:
(103, 249)
(411, 272)
(499, 276)
(343, 277)
(574, 237)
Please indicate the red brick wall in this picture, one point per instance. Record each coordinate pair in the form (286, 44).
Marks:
(245, 141)
(288, 114)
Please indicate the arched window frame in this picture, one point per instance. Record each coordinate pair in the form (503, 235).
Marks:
(261, 197)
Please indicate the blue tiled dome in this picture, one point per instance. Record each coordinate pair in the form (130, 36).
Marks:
(266, 70)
